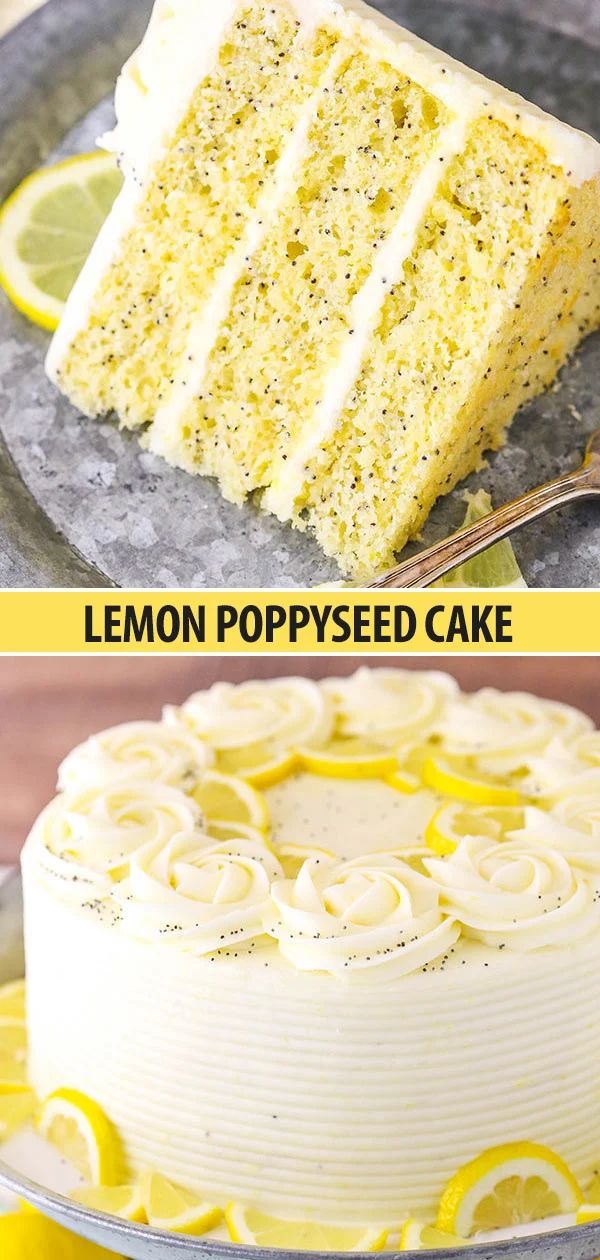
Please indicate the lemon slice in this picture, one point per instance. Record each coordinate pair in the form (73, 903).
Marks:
(455, 820)
(13, 1039)
(267, 773)
(25, 1235)
(13, 1078)
(225, 798)
(12, 1000)
(15, 1110)
(123, 1201)
(415, 1236)
(403, 781)
(508, 1185)
(293, 856)
(456, 780)
(47, 229)
(592, 1191)
(83, 1134)
(171, 1207)
(587, 1213)
(220, 830)
(248, 1225)
(349, 759)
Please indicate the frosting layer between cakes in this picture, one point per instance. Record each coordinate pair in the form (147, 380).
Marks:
(330, 1039)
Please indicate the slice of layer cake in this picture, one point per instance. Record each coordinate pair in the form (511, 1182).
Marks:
(339, 264)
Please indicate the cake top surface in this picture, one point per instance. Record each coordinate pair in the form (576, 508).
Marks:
(369, 827)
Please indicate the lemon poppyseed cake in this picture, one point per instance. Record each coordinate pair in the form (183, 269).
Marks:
(339, 264)
(322, 995)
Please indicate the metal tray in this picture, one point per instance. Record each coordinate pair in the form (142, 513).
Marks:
(139, 1242)
(80, 504)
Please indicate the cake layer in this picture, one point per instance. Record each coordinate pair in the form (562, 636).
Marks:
(315, 1099)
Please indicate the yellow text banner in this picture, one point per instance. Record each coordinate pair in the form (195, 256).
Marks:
(78, 621)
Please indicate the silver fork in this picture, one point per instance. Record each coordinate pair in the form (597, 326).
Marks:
(429, 565)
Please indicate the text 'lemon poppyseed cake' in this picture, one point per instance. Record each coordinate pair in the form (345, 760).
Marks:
(322, 995)
(339, 264)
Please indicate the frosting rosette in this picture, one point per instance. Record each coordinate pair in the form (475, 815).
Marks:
(389, 706)
(505, 730)
(201, 895)
(575, 832)
(516, 894)
(98, 829)
(257, 722)
(152, 751)
(374, 914)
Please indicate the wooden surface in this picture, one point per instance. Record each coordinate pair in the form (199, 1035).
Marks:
(47, 705)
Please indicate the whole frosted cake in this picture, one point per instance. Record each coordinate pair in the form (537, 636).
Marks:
(312, 946)
(339, 264)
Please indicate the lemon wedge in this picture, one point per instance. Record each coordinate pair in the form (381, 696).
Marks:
(454, 820)
(587, 1213)
(458, 781)
(47, 228)
(349, 759)
(83, 1134)
(12, 1000)
(249, 1225)
(123, 1201)
(508, 1185)
(15, 1110)
(415, 1236)
(29, 1235)
(171, 1207)
(226, 798)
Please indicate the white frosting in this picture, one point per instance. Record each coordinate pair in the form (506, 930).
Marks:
(198, 894)
(256, 720)
(390, 706)
(505, 730)
(371, 914)
(149, 751)
(517, 894)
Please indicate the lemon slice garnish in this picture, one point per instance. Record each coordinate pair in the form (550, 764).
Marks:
(226, 798)
(15, 1110)
(349, 759)
(415, 1236)
(587, 1212)
(171, 1207)
(403, 781)
(293, 856)
(123, 1201)
(13, 1077)
(82, 1133)
(47, 228)
(268, 773)
(508, 1185)
(29, 1234)
(455, 820)
(12, 1000)
(221, 830)
(249, 1225)
(458, 781)
(592, 1191)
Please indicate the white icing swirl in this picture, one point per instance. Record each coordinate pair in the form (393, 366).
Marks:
(505, 730)
(258, 721)
(573, 833)
(202, 895)
(151, 751)
(373, 913)
(516, 894)
(389, 706)
(99, 829)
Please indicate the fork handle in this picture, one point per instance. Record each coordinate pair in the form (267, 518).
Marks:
(440, 559)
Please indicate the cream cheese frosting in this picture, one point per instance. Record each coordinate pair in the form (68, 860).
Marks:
(332, 1042)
